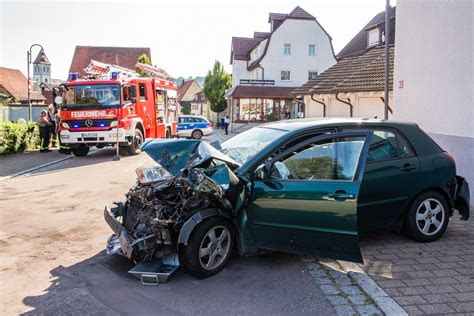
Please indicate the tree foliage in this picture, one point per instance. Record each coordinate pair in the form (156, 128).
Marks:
(216, 83)
(142, 59)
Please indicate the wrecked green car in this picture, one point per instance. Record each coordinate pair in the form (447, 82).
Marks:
(301, 186)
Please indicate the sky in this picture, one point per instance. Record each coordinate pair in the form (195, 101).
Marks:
(185, 37)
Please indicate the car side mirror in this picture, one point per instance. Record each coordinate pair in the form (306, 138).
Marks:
(261, 172)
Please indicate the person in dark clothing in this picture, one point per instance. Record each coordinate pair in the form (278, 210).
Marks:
(226, 124)
(53, 136)
(222, 122)
(44, 125)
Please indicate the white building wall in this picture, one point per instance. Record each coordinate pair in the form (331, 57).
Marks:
(239, 71)
(298, 33)
(434, 69)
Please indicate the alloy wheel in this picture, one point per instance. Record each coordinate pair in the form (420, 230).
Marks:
(430, 216)
(215, 247)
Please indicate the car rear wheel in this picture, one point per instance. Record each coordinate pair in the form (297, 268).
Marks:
(428, 217)
(209, 248)
(197, 134)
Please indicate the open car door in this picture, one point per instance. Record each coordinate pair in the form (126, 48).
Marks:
(304, 200)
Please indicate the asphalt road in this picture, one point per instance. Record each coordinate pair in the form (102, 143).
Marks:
(52, 236)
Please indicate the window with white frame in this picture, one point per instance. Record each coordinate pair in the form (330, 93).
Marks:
(287, 49)
(373, 37)
(311, 49)
(312, 74)
(285, 75)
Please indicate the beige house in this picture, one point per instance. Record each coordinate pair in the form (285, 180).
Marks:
(190, 96)
(200, 106)
(354, 86)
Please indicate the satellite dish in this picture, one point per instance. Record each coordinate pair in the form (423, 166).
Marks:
(58, 100)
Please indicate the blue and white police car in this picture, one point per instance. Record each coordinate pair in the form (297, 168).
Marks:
(191, 126)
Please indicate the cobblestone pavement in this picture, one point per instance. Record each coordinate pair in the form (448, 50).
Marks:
(341, 289)
(425, 278)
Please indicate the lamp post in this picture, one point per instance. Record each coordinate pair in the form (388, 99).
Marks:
(387, 57)
(28, 62)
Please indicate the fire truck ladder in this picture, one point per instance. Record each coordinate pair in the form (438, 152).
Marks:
(104, 71)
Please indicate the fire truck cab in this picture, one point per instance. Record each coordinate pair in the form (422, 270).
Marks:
(116, 112)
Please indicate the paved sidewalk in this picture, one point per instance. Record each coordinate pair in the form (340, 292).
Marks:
(425, 278)
(12, 164)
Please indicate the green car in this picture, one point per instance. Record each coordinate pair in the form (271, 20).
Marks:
(300, 186)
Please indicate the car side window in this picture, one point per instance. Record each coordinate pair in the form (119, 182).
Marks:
(387, 145)
(331, 159)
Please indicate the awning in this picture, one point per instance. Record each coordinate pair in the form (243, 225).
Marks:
(260, 92)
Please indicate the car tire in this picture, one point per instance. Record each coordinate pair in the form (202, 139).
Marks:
(196, 134)
(428, 217)
(209, 248)
(137, 141)
(168, 133)
(80, 151)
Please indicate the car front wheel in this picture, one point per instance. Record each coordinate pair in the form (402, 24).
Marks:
(197, 134)
(428, 217)
(209, 248)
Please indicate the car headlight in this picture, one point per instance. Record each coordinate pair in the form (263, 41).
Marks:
(152, 174)
(114, 124)
(65, 125)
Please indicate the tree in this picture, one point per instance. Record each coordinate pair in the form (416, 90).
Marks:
(216, 83)
(142, 59)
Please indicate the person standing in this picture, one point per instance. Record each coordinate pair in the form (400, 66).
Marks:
(44, 125)
(53, 136)
(226, 124)
(222, 122)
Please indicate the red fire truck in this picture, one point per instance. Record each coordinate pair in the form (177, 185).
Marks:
(116, 107)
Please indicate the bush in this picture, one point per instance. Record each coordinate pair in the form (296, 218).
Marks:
(16, 138)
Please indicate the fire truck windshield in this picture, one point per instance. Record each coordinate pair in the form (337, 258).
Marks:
(92, 95)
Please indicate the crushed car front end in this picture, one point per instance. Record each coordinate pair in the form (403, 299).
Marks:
(189, 177)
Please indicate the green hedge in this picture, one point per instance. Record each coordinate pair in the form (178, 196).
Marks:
(16, 138)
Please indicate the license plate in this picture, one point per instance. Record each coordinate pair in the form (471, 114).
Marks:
(89, 134)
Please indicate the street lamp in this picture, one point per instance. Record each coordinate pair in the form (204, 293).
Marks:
(28, 62)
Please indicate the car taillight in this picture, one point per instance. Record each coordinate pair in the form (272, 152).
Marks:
(450, 157)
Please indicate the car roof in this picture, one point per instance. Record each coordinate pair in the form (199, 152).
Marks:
(309, 123)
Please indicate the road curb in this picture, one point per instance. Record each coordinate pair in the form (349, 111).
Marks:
(48, 164)
(387, 304)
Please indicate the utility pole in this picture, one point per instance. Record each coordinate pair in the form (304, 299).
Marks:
(387, 57)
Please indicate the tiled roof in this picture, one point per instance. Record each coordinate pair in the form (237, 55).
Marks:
(277, 16)
(259, 92)
(15, 83)
(241, 47)
(183, 88)
(362, 73)
(41, 58)
(121, 56)
(299, 13)
(358, 44)
(261, 35)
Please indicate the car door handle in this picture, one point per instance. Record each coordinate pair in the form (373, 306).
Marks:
(341, 196)
(408, 167)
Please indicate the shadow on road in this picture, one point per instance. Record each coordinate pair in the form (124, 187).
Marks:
(274, 283)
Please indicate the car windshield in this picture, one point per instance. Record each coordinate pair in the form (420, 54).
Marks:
(106, 95)
(245, 145)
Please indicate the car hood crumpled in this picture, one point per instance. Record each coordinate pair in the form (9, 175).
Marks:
(174, 155)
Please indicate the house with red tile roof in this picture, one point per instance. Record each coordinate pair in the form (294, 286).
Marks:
(14, 94)
(269, 65)
(121, 56)
(354, 86)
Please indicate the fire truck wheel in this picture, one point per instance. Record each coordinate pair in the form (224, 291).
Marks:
(197, 134)
(80, 151)
(137, 141)
(168, 133)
